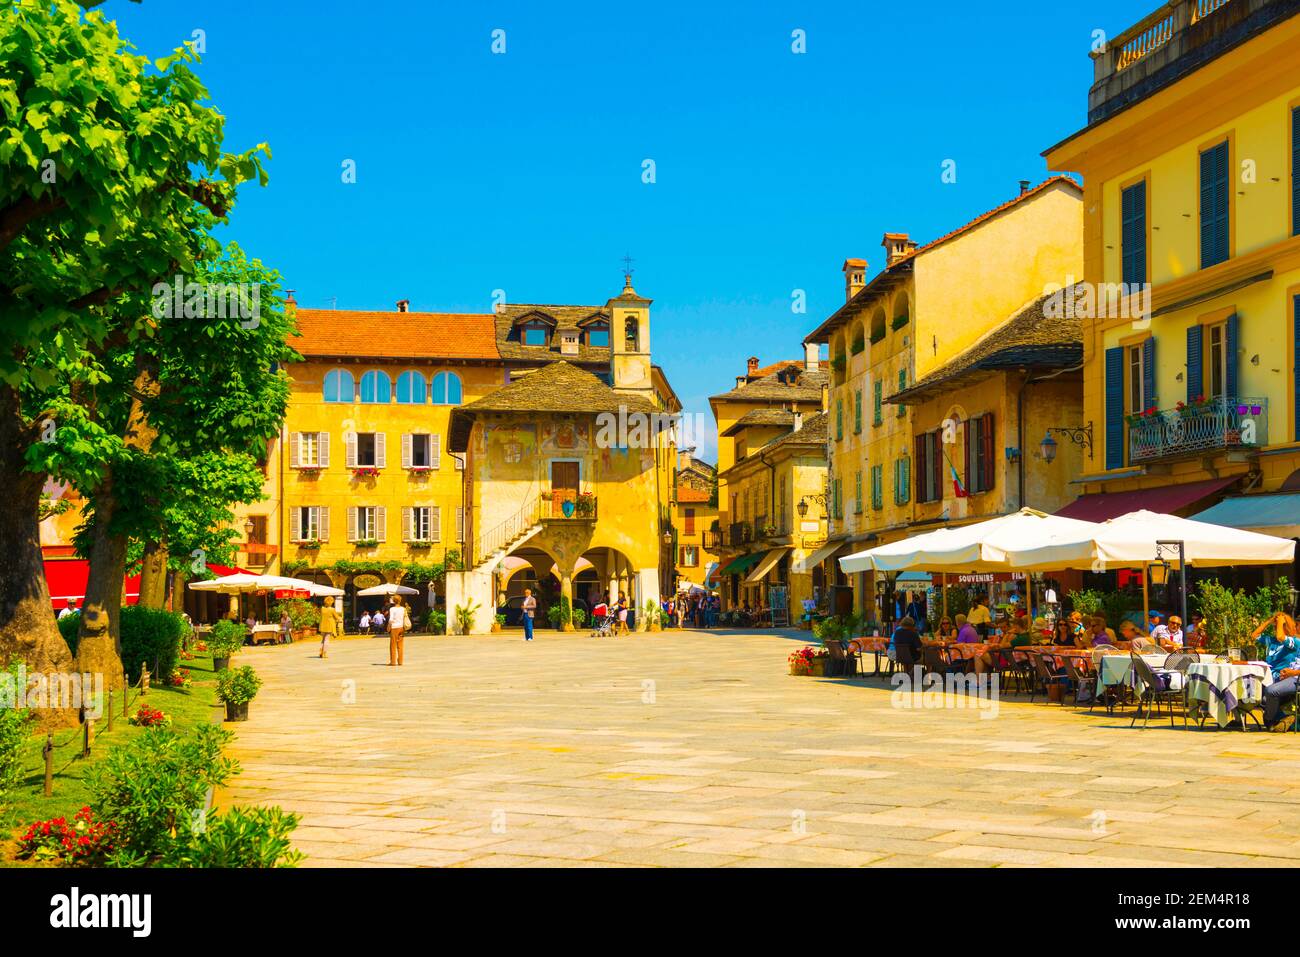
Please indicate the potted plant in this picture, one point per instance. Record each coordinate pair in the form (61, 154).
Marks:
(304, 617)
(586, 505)
(498, 622)
(654, 616)
(236, 687)
(435, 621)
(227, 637)
(465, 617)
(801, 661)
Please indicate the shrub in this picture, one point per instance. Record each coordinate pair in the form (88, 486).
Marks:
(13, 734)
(302, 613)
(435, 621)
(465, 617)
(153, 786)
(226, 638)
(1087, 602)
(1231, 616)
(150, 636)
(238, 685)
(147, 717)
(239, 837)
(84, 841)
(563, 612)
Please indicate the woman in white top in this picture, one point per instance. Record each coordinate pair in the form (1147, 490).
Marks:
(397, 616)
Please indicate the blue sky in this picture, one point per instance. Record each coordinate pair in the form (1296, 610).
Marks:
(522, 171)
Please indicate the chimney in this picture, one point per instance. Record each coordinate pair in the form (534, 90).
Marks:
(811, 356)
(751, 365)
(798, 420)
(855, 277)
(288, 298)
(897, 245)
(684, 457)
(1024, 186)
(403, 305)
(568, 343)
(740, 380)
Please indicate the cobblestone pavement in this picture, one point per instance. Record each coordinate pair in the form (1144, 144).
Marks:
(699, 749)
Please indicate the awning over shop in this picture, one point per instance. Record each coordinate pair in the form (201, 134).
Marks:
(806, 564)
(1271, 514)
(906, 578)
(67, 579)
(743, 564)
(712, 574)
(1168, 500)
(766, 565)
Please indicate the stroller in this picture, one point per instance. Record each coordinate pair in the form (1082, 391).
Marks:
(602, 622)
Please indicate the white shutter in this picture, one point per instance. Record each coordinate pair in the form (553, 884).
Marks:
(381, 523)
(435, 524)
(381, 457)
(323, 449)
(460, 524)
(435, 450)
(406, 450)
(408, 530)
(350, 449)
(352, 523)
(323, 522)
(293, 450)
(295, 523)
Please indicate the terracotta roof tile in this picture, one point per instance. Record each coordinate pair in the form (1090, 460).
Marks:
(693, 496)
(396, 335)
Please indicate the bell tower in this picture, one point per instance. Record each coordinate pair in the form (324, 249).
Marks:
(629, 341)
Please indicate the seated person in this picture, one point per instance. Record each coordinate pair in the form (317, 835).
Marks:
(1139, 642)
(1173, 637)
(1098, 633)
(1063, 633)
(966, 633)
(906, 643)
(1156, 628)
(1283, 658)
(945, 631)
(1196, 632)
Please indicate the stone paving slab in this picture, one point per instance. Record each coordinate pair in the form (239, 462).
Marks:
(692, 749)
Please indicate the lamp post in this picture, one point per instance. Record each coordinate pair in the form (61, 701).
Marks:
(1175, 548)
(1079, 435)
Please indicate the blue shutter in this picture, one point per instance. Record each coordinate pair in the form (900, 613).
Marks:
(1231, 340)
(1115, 408)
(1133, 234)
(1214, 205)
(1295, 369)
(1295, 172)
(1149, 397)
(1195, 361)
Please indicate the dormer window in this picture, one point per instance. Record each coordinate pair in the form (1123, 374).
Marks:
(535, 333)
(598, 335)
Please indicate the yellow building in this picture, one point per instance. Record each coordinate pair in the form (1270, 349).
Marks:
(564, 471)
(780, 464)
(1191, 165)
(927, 306)
(695, 519)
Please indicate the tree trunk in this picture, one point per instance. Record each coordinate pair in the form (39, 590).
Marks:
(153, 576)
(99, 647)
(27, 630)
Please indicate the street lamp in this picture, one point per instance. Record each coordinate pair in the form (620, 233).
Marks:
(802, 507)
(668, 537)
(1048, 448)
(1172, 548)
(248, 528)
(1079, 435)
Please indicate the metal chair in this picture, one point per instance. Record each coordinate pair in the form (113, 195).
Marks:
(1158, 689)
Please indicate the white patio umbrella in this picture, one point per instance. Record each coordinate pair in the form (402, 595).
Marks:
(1129, 541)
(978, 547)
(387, 588)
(242, 583)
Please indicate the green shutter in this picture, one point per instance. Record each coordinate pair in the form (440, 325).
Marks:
(1115, 408)
(1215, 205)
(877, 398)
(839, 419)
(857, 412)
(1133, 234)
(1195, 361)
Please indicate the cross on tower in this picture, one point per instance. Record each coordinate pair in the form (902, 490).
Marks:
(627, 266)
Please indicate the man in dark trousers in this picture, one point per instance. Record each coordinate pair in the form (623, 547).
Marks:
(530, 608)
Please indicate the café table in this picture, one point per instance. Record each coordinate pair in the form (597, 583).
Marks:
(265, 633)
(1225, 690)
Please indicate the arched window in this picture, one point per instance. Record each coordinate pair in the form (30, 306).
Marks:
(410, 388)
(631, 333)
(339, 386)
(598, 335)
(446, 389)
(376, 387)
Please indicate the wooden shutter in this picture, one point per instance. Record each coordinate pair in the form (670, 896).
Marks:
(936, 459)
(1115, 408)
(323, 523)
(406, 449)
(381, 523)
(1295, 367)
(352, 523)
(295, 525)
(1195, 360)
(969, 441)
(1149, 397)
(435, 451)
(435, 524)
(1295, 171)
(1215, 205)
(907, 479)
(918, 452)
(293, 450)
(323, 449)
(350, 449)
(986, 435)
(460, 524)
(408, 527)
(688, 518)
(1231, 345)
(381, 454)
(1133, 234)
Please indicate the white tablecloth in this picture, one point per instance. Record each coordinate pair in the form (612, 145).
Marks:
(1224, 687)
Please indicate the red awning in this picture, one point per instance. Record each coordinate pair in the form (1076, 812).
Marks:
(67, 577)
(1168, 500)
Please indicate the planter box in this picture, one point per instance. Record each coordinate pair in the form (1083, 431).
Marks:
(237, 712)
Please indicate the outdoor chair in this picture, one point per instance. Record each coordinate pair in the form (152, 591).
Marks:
(937, 662)
(1158, 691)
(1084, 677)
(1021, 672)
(1050, 673)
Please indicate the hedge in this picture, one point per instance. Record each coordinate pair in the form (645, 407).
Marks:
(149, 635)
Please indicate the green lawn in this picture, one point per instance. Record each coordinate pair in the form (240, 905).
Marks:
(187, 708)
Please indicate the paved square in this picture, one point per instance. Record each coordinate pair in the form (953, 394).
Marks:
(698, 749)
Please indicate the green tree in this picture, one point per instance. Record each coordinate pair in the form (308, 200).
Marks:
(111, 174)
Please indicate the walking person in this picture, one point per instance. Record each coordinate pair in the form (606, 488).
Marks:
(397, 621)
(621, 606)
(377, 622)
(286, 628)
(329, 625)
(363, 626)
(530, 610)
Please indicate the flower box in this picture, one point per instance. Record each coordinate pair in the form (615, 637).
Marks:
(310, 546)
(309, 470)
(365, 471)
(366, 543)
(420, 544)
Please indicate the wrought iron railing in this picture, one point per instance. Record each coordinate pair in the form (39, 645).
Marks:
(581, 508)
(740, 533)
(1220, 424)
(499, 537)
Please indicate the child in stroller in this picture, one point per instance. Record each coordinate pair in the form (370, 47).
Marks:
(602, 622)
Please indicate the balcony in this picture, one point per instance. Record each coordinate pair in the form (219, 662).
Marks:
(1224, 424)
(740, 533)
(582, 508)
(1171, 42)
